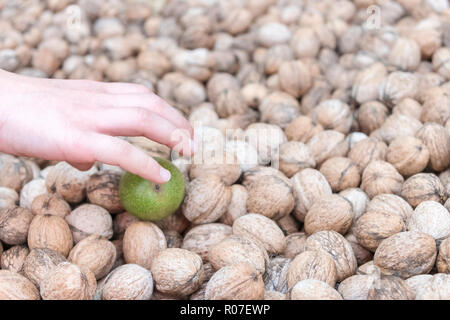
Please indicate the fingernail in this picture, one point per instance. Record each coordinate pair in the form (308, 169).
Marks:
(164, 174)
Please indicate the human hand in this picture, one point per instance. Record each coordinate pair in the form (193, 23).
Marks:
(78, 121)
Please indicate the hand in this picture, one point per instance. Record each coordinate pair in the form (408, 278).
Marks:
(78, 121)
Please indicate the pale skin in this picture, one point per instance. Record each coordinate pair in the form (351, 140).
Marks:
(79, 121)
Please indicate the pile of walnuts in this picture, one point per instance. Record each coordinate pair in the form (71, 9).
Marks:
(348, 197)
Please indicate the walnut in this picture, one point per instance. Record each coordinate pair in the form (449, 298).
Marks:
(295, 244)
(408, 107)
(39, 262)
(440, 61)
(295, 156)
(443, 259)
(397, 86)
(235, 249)
(375, 226)
(339, 249)
(253, 94)
(90, 219)
(261, 229)
(331, 212)
(279, 108)
(69, 182)
(273, 33)
(422, 187)
(14, 225)
(229, 102)
(200, 239)
(103, 190)
(362, 254)
(177, 271)
(312, 289)
(432, 218)
(389, 288)
(257, 172)
(390, 204)
(406, 254)
(237, 21)
(153, 61)
(397, 125)
(8, 198)
(30, 191)
(333, 114)
(367, 81)
(305, 42)
(142, 241)
(366, 151)
(226, 167)
(274, 295)
(265, 138)
(417, 283)
(238, 205)
(327, 144)
(220, 82)
(405, 54)
(95, 254)
(408, 155)
(270, 196)
(435, 106)
(356, 287)
(371, 116)
(52, 204)
(14, 172)
(203, 115)
(358, 198)
(14, 258)
(309, 185)
(436, 288)
(437, 140)
(319, 91)
(302, 129)
(275, 275)
(207, 199)
(381, 177)
(14, 286)
(295, 77)
(288, 224)
(341, 173)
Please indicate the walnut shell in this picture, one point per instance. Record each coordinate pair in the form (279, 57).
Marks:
(312, 289)
(226, 167)
(69, 182)
(436, 103)
(176, 222)
(367, 81)
(366, 151)
(95, 254)
(275, 275)
(274, 295)
(437, 140)
(255, 173)
(422, 187)
(103, 190)
(52, 204)
(356, 287)
(295, 77)
(30, 191)
(371, 116)
(8, 198)
(279, 108)
(443, 259)
(333, 114)
(362, 254)
(270, 196)
(381, 177)
(13, 259)
(341, 173)
(408, 155)
(14, 172)
(295, 244)
(405, 54)
(375, 226)
(295, 156)
(397, 125)
(327, 144)
(266, 139)
(302, 129)
(397, 86)
(331, 212)
(177, 271)
(432, 218)
(406, 254)
(207, 199)
(39, 262)
(358, 198)
(390, 204)
(238, 281)
(437, 288)
(200, 239)
(121, 222)
(288, 224)
(261, 229)
(90, 219)
(389, 288)
(14, 286)
(174, 239)
(235, 249)
(142, 242)
(417, 283)
(408, 107)
(238, 205)
(14, 225)
(253, 94)
(309, 185)
(338, 247)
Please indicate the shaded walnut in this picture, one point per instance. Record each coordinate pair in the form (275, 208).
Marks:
(121, 222)
(103, 190)
(406, 254)
(238, 205)
(275, 275)
(226, 167)
(295, 244)
(295, 77)
(266, 139)
(389, 288)
(371, 116)
(39, 262)
(422, 187)
(327, 144)
(295, 156)
(432, 218)
(408, 155)
(443, 259)
(14, 225)
(176, 221)
(309, 185)
(95, 254)
(177, 271)
(390, 204)
(253, 94)
(436, 105)
(358, 198)
(174, 239)
(261, 229)
(302, 129)
(339, 249)
(14, 286)
(381, 177)
(405, 54)
(417, 283)
(235, 249)
(356, 287)
(279, 108)
(200, 239)
(331, 212)
(8, 198)
(270, 196)
(230, 102)
(207, 199)
(333, 114)
(437, 288)
(52, 204)
(51, 232)
(408, 107)
(142, 242)
(397, 125)
(257, 172)
(367, 81)
(30, 191)
(341, 173)
(375, 226)
(90, 219)
(437, 140)
(238, 281)
(366, 151)
(274, 295)
(362, 254)
(397, 86)
(288, 224)
(14, 172)
(312, 289)
(13, 259)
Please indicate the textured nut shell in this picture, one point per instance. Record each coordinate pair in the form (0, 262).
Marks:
(371, 115)
(443, 259)
(103, 190)
(128, 282)
(341, 173)
(39, 262)
(51, 232)
(437, 288)
(437, 140)
(302, 129)
(14, 286)
(331, 212)
(238, 204)
(397, 125)
(52, 204)
(311, 265)
(174, 239)
(274, 295)
(121, 222)
(338, 247)
(201, 238)
(390, 204)
(375, 226)
(432, 218)
(295, 156)
(289, 224)
(381, 177)
(265, 138)
(423, 187)
(408, 155)
(417, 283)
(333, 114)
(95, 254)
(176, 221)
(311, 289)
(227, 168)
(295, 244)
(142, 242)
(14, 172)
(30, 191)
(356, 287)
(389, 288)
(90, 219)
(8, 197)
(236, 249)
(406, 254)
(295, 77)
(207, 199)
(177, 271)
(358, 198)
(235, 282)
(257, 172)
(362, 254)
(327, 144)
(366, 151)
(14, 258)
(14, 225)
(275, 275)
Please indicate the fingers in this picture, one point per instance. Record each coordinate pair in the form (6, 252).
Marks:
(97, 86)
(118, 152)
